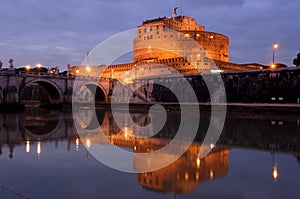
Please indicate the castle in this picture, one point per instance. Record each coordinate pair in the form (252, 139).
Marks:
(178, 42)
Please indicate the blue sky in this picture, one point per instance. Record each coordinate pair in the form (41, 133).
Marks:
(58, 32)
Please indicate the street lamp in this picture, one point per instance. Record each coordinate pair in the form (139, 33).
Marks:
(275, 47)
(273, 66)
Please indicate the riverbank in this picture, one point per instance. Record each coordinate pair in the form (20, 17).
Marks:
(230, 107)
(257, 108)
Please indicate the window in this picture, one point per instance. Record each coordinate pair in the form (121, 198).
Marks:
(150, 28)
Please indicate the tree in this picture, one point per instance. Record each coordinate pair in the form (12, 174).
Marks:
(296, 61)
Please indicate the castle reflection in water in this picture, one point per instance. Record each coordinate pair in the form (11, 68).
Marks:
(33, 127)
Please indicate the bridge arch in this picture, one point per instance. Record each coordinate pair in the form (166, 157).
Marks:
(43, 132)
(40, 124)
(90, 120)
(96, 90)
(53, 90)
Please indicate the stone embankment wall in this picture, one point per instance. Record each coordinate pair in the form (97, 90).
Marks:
(256, 86)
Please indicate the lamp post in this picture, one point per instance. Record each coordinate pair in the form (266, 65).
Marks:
(275, 47)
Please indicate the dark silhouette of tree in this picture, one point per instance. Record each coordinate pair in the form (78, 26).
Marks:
(296, 61)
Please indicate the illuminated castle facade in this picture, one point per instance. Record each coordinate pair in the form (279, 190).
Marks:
(164, 33)
(177, 42)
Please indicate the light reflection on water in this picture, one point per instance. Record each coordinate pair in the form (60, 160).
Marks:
(43, 157)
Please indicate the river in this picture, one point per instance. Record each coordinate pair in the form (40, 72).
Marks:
(43, 156)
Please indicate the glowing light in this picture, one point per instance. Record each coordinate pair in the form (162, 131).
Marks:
(127, 132)
(39, 148)
(216, 71)
(275, 173)
(134, 148)
(27, 146)
(211, 37)
(197, 35)
(83, 125)
(77, 71)
(211, 174)
(88, 143)
(77, 144)
(128, 80)
(88, 69)
(273, 66)
(186, 176)
(39, 65)
(275, 46)
(197, 176)
(27, 67)
(198, 163)
(187, 35)
(212, 146)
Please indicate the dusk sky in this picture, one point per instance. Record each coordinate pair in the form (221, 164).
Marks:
(61, 32)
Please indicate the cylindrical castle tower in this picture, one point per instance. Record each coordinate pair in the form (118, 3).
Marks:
(160, 38)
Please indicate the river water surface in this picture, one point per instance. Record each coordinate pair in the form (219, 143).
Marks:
(42, 156)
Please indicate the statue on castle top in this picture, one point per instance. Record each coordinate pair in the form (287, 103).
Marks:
(1, 64)
(11, 63)
(175, 11)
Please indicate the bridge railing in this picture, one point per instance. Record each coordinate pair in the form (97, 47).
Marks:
(50, 75)
(45, 74)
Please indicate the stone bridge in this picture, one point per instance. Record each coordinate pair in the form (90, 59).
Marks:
(59, 88)
(256, 86)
